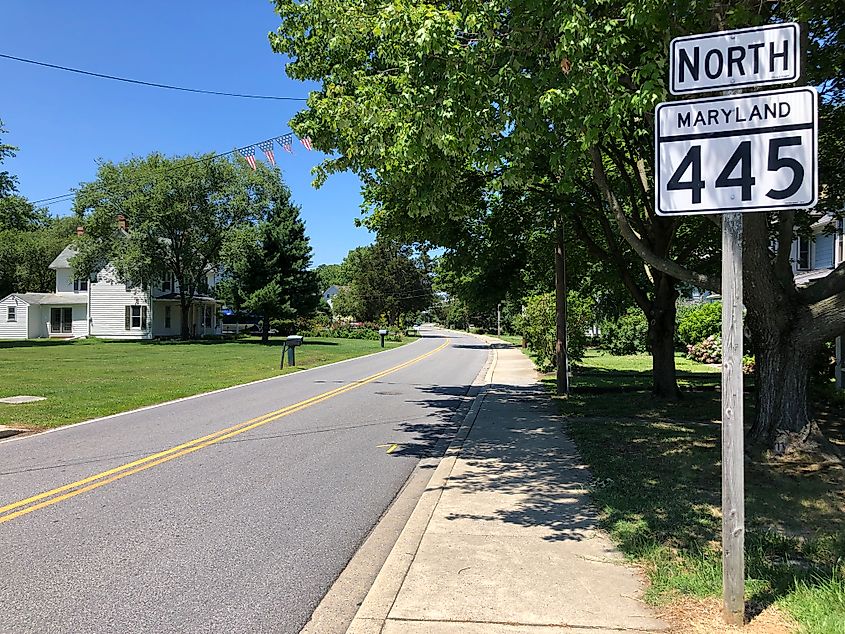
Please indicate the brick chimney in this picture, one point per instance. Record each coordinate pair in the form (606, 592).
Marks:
(80, 230)
(121, 222)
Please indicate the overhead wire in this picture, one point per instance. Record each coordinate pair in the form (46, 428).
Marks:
(149, 83)
(52, 200)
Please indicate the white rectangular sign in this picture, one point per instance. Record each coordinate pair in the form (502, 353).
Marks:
(755, 152)
(732, 59)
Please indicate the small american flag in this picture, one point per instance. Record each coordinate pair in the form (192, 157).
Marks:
(306, 141)
(286, 141)
(267, 148)
(249, 154)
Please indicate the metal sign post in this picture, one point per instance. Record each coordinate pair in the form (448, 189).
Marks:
(729, 155)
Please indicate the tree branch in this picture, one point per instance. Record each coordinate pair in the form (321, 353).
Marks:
(783, 269)
(821, 289)
(825, 320)
(640, 247)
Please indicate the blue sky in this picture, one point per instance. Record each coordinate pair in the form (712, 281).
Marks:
(64, 122)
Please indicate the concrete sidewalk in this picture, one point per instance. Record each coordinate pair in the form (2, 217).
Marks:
(504, 539)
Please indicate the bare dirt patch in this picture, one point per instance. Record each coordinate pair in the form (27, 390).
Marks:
(690, 615)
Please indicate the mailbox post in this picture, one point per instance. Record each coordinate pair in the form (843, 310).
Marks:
(381, 334)
(291, 343)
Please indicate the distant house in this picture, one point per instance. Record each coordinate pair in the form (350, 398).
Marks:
(103, 307)
(814, 257)
(330, 292)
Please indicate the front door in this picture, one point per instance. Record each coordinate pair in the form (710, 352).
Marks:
(61, 321)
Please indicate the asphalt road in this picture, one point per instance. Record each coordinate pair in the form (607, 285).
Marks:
(132, 524)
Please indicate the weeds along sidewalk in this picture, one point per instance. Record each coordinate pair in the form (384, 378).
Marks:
(504, 539)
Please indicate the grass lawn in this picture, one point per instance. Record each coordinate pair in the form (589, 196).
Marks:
(91, 378)
(656, 472)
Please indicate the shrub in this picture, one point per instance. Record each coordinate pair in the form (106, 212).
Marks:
(537, 325)
(626, 335)
(366, 330)
(748, 364)
(707, 351)
(698, 324)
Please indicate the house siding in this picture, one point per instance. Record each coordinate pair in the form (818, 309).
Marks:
(19, 328)
(823, 256)
(108, 299)
(159, 329)
(64, 281)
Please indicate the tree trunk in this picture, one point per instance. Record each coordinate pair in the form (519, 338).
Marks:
(561, 356)
(661, 339)
(184, 311)
(782, 378)
(265, 330)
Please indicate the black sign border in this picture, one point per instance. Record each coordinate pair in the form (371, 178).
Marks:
(768, 82)
(815, 163)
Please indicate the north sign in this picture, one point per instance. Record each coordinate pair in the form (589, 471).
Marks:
(727, 60)
(755, 152)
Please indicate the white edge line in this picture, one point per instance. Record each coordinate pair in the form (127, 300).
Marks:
(38, 433)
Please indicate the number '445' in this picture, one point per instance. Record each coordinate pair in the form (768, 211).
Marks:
(741, 158)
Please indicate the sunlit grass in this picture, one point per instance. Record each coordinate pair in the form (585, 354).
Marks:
(92, 378)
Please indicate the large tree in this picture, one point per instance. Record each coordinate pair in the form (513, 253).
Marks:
(177, 212)
(266, 260)
(414, 93)
(423, 101)
(385, 279)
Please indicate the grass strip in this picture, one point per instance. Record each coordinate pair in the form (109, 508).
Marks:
(92, 378)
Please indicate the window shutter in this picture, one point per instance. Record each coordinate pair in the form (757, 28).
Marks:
(128, 323)
(144, 317)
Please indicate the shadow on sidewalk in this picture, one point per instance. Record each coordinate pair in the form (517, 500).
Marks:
(516, 448)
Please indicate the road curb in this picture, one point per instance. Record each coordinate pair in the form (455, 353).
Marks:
(376, 606)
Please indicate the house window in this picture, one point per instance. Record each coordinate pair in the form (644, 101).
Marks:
(167, 316)
(206, 317)
(136, 317)
(167, 284)
(80, 285)
(12, 314)
(803, 253)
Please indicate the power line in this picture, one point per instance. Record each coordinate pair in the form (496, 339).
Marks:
(52, 200)
(149, 83)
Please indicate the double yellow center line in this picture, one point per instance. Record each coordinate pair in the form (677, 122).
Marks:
(54, 496)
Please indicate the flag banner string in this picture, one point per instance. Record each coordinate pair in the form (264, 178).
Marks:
(285, 141)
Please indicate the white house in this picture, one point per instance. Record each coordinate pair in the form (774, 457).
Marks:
(103, 307)
(330, 292)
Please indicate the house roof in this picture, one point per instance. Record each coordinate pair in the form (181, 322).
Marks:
(34, 299)
(802, 279)
(62, 260)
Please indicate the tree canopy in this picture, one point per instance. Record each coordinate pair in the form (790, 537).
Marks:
(386, 279)
(426, 101)
(266, 261)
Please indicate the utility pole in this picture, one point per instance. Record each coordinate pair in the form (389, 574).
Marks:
(560, 310)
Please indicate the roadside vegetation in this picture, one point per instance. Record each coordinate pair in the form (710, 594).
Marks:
(92, 378)
(656, 482)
